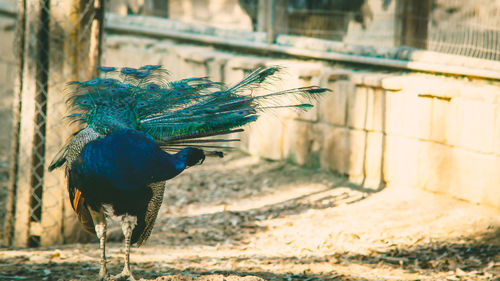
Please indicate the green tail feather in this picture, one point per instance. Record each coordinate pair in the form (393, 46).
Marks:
(143, 99)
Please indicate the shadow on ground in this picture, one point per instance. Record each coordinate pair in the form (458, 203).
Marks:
(247, 219)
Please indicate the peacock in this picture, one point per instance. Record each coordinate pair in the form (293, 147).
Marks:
(138, 130)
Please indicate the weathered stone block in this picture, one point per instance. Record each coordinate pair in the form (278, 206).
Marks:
(334, 145)
(168, 57)
(131, 56)
(193, 61)
(400, 165)
(365, 150)
(439, 120)
(375, 143)
(297, 141)
(373, 80)
(407, 115)
(454, 122)
(475, 176)
(117, 41)
(357, 102)
(333, 105)
(478, 127)
(436, 166)
(497, 130)
(375, 111)
(366, 108)
(458, 172)
(357, 154)
(265, 137)
(217, 65)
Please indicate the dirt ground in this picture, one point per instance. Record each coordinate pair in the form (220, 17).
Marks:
(246, 219)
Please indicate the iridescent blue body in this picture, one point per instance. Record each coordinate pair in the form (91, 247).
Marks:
(117, 170)
(130, 118)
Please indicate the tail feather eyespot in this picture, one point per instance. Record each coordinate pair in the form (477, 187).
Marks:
(129, 70)
(142, 74)
(106, 68)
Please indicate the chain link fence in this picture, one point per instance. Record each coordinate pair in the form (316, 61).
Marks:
(57, 41)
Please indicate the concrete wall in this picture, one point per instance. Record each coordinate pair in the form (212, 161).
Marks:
(377, 127)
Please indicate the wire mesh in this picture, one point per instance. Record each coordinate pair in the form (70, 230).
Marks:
(322, 19)
(467, 28)
(460, 27)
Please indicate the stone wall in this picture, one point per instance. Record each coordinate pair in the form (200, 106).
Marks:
(377, 127)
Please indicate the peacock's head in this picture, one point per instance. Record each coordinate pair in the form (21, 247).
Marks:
(191, 156)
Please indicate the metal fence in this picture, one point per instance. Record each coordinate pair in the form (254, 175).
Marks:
(57, 41)
(467, 28)
(461, 27)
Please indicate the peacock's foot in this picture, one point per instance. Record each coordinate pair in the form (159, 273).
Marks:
(126, 275)
(103, 275)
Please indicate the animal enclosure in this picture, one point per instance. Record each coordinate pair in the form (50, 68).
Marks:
(415, 108)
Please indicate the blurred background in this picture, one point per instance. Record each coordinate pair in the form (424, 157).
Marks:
(397, 171)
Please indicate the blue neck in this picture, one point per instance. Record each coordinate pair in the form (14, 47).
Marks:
(129, 159)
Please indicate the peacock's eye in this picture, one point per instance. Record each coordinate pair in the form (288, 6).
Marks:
(106, 68)
(93, 82)
(84, 101)
(152, 87)
(128, 70)
(142, 74)
(142, 103)
(108, 82)
(151, 66)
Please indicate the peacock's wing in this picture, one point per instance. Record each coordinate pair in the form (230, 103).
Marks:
(72, 149)
(154, 205)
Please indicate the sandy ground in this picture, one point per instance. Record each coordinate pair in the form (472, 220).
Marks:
(244, 218)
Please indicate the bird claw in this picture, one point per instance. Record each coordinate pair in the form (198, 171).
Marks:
(124, 276)
(103, 275)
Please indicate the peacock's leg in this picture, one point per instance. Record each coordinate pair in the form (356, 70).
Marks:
(100, 229)
(128, 224)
